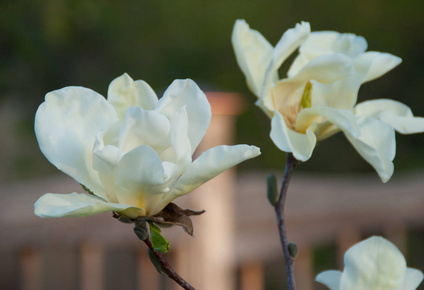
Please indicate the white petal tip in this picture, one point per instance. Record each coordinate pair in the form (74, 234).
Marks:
(254, 151)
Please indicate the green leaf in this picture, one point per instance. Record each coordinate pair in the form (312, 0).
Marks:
(159, 243)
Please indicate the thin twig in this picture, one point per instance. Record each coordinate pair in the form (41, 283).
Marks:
(279, 210)
(167, 268)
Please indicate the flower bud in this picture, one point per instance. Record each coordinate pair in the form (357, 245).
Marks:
(293, 251)
(272, 191)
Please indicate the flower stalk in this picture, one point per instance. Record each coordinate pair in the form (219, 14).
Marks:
(279, 211)
(143, 233)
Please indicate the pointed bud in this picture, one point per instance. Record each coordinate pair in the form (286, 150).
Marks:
(141, 230)
(272, 191)
(293, 251)
(125, 219)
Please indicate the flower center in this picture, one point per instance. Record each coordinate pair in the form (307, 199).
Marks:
(292, 111)
(290, 115)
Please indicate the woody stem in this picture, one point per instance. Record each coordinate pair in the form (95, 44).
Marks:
(279, 210)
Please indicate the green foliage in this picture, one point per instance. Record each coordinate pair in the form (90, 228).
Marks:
(159, 243)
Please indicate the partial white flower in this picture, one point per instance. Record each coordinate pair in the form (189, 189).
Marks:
(132, 151)
(373, 264)
(317, 98)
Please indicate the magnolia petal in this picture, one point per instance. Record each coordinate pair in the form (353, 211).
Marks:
(105, 160)
(66, 125)
(331, 279)
(343, 119)
(179, 136)
(124, 92)
(288, 43)
(325, 130)
(211, 163)
(146, 127)
(372, 64)
(52, 205)
(266, 104)
(327, 42)
(394, 113)
(375, 264)
(253, 53)
(301, 145)
(186, 92)
(413, 279)
(140, 178)
(326, 69)
(376, 145)
(285, 96)
(341, 94)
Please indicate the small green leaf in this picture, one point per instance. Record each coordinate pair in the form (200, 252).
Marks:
(272, 191)
(159, 243)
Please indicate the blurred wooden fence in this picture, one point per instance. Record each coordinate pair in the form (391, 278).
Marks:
(234, 239)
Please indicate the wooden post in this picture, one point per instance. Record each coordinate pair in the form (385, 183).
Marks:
(91, 267)
(252, 276)
(148, 277)
(211, 256)
(397, 234)
(303, 266)
(348, 236)
(31, 269)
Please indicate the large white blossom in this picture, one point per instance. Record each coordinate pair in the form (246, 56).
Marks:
(318, 97)
(132, 151)
(373, 264)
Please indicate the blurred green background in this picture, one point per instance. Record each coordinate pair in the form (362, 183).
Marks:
(49, 44)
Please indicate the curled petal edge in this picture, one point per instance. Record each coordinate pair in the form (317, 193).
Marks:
(287, 140)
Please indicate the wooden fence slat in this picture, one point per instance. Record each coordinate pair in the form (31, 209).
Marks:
(147, 276)
(252, 276)
(347, 237)
(31, 269)
(91, 267)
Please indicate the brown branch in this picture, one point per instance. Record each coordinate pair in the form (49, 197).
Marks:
(279, 210)
(170, 272)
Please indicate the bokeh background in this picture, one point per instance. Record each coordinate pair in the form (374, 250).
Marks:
(48, 44)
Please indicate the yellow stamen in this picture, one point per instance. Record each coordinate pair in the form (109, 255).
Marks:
(306, 102)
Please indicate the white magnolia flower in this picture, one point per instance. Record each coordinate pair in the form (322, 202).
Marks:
(133, 152)
(318, 97)
(373, 264)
